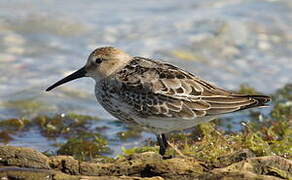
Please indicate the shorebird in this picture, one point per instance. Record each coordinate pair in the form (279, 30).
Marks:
(156, 96)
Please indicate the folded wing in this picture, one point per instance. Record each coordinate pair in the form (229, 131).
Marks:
(162, 90)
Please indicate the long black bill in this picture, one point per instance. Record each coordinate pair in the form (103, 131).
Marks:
(78, 74)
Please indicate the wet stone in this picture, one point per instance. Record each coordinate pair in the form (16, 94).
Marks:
(22, 157)
(66, 164)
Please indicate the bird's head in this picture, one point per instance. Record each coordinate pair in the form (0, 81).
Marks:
(101, 63)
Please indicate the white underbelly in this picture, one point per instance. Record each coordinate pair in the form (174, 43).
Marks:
(166, 125)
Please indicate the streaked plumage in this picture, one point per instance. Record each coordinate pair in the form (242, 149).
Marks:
(156, 96)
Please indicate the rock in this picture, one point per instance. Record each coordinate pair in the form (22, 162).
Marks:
(147, 164)
(21, 173)
(33, 174)
(234, 157)
(66, 164)
(25, 163)
(267, 167)
(22, 157)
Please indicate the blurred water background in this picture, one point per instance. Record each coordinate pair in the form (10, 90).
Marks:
(228, 42)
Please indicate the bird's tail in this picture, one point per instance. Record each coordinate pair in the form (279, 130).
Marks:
(259, 101)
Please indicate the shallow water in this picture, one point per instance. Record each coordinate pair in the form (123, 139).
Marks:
(229, 42)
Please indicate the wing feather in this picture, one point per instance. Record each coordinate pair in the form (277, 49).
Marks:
(164, 90)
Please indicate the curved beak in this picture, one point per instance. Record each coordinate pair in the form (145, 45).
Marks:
(76, 75)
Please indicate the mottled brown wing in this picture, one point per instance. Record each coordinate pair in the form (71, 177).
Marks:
(158, 89)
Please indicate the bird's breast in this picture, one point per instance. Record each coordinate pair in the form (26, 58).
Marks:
(108, 97)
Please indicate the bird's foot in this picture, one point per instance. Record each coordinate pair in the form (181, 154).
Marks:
(164, 157)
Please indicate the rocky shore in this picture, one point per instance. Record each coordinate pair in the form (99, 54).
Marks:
(25, 163)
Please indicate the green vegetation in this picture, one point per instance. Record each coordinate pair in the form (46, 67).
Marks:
(143, 149)
(63, 124)
(13, 124)
(85, 146)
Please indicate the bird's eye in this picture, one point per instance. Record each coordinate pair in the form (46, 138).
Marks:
(98, 60)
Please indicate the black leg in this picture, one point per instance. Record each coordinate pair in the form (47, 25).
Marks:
(164, 140)
(161, 143)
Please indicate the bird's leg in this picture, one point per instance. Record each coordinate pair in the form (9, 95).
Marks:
(164, 140)
(161, 143)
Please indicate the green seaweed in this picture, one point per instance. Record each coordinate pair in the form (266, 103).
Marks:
(142, 149)
(205, 143)
(59, 125)
(9, 127)
(13, 124)
(63, 124)
(209, 144)
(85, 146)
(277, 135)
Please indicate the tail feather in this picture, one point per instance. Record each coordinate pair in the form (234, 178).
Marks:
(235, 102)
(259, 101)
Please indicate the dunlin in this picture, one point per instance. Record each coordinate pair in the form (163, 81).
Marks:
(155, 96)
